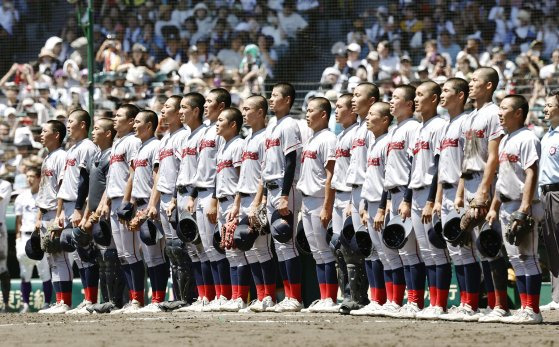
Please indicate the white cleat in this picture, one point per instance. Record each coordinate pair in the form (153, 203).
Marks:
(408, 311)
(192, 307)
(389, 309)
(328, 306)
(234, 305)
(430, 313)
(291, 305)
(81, 308)
(24, 308)
(275, 307)
(550, 307)
(370, 310)
(523, 316)
(58, 308)
(267, 302)
(215, 305)
(253, 304)
(151, 308)
(495, 316)
(315, 304)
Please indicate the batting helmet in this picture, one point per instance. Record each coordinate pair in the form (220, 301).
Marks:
(301, 240)
(102, 234)
(489, 241)
(282, 226)
(357, 240)
(187, 229)
(395, 234)
(217, 239)
(452, 232)
(33, 247)
(88, 254)
(243, 236)
(435, 234)
(81, 238)
(126, 212)
(334, 242)
(66, 240)
(148, 233)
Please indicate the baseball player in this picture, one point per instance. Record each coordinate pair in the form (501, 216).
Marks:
(451, 153)
(247, 203)
(516, 203)
(142, 191)
(364, 95)
(317, 166)
(549, 185)
(378, 122)
(482, 136)
(111, 277)
(348, 120)
(229, 156)
(125, 147)
(52, 169)
(424, 183)
(26, 215)
(279, 176)
(72, 194)
(191, 113)
(169, 159)
(5, 194)
(206, 210)
(396, 180)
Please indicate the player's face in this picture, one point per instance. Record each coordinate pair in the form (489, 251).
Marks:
(551, 110)
(508, 115)
(315, 116)
(185, 111)
(398, 104)
(211, 108)
(374, 121)
(478, 86)
(449, 97)
(122, 123)
(278, 102)
(96, 134)
(169, 112)
(360, 103)
(140, 126)
(32, 179)
(344, 114)
(223, 126)
(73, 127)
(423, 99)
(47, 135)
(250, 113)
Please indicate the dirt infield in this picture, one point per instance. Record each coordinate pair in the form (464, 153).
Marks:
(233, 329)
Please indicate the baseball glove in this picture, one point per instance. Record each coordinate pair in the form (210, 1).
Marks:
(521, 224)
(469, 222)
(50, 241)
(259, 224)
(227, 235)
(137, 221)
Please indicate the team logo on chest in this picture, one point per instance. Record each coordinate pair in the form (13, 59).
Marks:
(164, 153)
(116, 158)
(308, 154)
(249, 155)
(373, 161)
(396, 146)
(552, 150)
(207, 144)
(419, 145)
(140, 163)
(188, 151)
(48, 172)
(446, 143)
(224, 164)
(272, 143)
(480, 134)
(340, 152)
(358, 143)
(70, 162)
(511, 158)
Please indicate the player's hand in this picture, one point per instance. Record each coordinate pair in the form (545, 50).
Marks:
(325, 216)
(491, 216)
(378, 222)
(437, 208)
(427, 213)
(59, 221)
(404, 210)
(212, 212)
(347, 211)
(364, 215)
(38, 225)
(233, 213)
(76, 218)
(252, 213)
(458, 203)
(104, 211)
(190, 206)
(481, 201)
(152, 212)
(283, 207)
(172, 205)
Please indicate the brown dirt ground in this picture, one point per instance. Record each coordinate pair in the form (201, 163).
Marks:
(266, 329)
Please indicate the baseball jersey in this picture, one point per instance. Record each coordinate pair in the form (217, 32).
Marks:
(98, 169)
(189, 157)
(343, 153)
(517, 152)
(251, 162)
(229, 158)
(374, 176)
(77, 157)
(169, 158)
(207, 153)
(451, 151)
(5, 194)
(281, 139)
(549, 161)
(481, 126)
(122, 152)
(362, 138)
(398, 152)
(319, 149)
(143, 164)
(26, 207)
(52, 171)
(425, 148)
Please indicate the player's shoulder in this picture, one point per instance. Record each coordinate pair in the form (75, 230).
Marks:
(527, 136)
(23, 196)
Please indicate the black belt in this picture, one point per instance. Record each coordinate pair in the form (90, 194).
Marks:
(447, 185)
(140, 202)
(244, 195)
(200, 189)
(27, 232)
(468, 175)
(504, 198)
(394, 190)
(272, 185)
(43, 211)
(355, 186)
(181, 189)
(225, 198)
(420, 188)
(553, 187)
(340, 191)
(304, 195)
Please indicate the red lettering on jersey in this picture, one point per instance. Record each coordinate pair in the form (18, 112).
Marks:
(48, 172)
(249, 155)
(357, 143)
(446, 143)
(224, 164)
(272, 143)
(340, 152)
(419, 145)
(480, 134)
(511, 158)
(308, 154)
(140, 163)
(395, 146)
(207, 144)
(373, 161)
(70, 162)
(165, 153)
(188, 151)
(116, 158)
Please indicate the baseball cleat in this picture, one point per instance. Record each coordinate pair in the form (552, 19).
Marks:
(275, 308)
(430, 313)
(59, 308)
(81, 308)
(328, 306)
(551, 306)
(389, 309)
(267, 302)
(192, 307)
(495, 316)
(291, 305)
(215, 304)
(408, 311)
(134, 307)
(314, 304)
(151, 308)
(369, 310)
(24, 308)
(253, 304)
(234, 305)
(523, 316)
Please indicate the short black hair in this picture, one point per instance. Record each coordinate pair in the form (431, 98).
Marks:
(222, 95)
(371, 90)
(232, 114)
(286, 89)
(348, 97)
(196, 100)
(323, 104)
(177, 99)
(36, 170)
(58, 127)
(519, 102)
(409, 93)
(490, 75)
(107, 124)
(150, 117)
(459, 85)
(434, 88)
(82, 116)
(131, 110)
(261, 103)
(384, 109)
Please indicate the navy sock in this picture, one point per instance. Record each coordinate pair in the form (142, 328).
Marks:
(223, 268)
(472, 277)
(521, 284)
(92, 276)
(459, 270)
(431, 271)
(330, 273)
(127, 275)
(215, 273)
(378, 274)
(293, 267)
(268, 272)
(25, 291)
(197, 273)
(47, 291)
(257, 275)
(370, 274)
(444, 275)
(417, 274)
(138, 274)
(407, 275)
(398, 276)
(487, 279)
(320, 275)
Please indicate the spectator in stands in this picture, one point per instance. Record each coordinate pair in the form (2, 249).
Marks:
(447, 45)
(110, 54)
(290, 21)
(389, 62)
(267, 54)
(551, 70)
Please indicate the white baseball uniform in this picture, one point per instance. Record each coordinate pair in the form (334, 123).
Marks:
(282, 138)
(318, 151)
(517, 152)
(5, 194)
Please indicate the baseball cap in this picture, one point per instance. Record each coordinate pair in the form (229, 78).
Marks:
(339, 48)
(52, 41)
(405, 57)
(373, 55)
(27, 102)
(354, 47)
(10, 111)
(200, 6)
